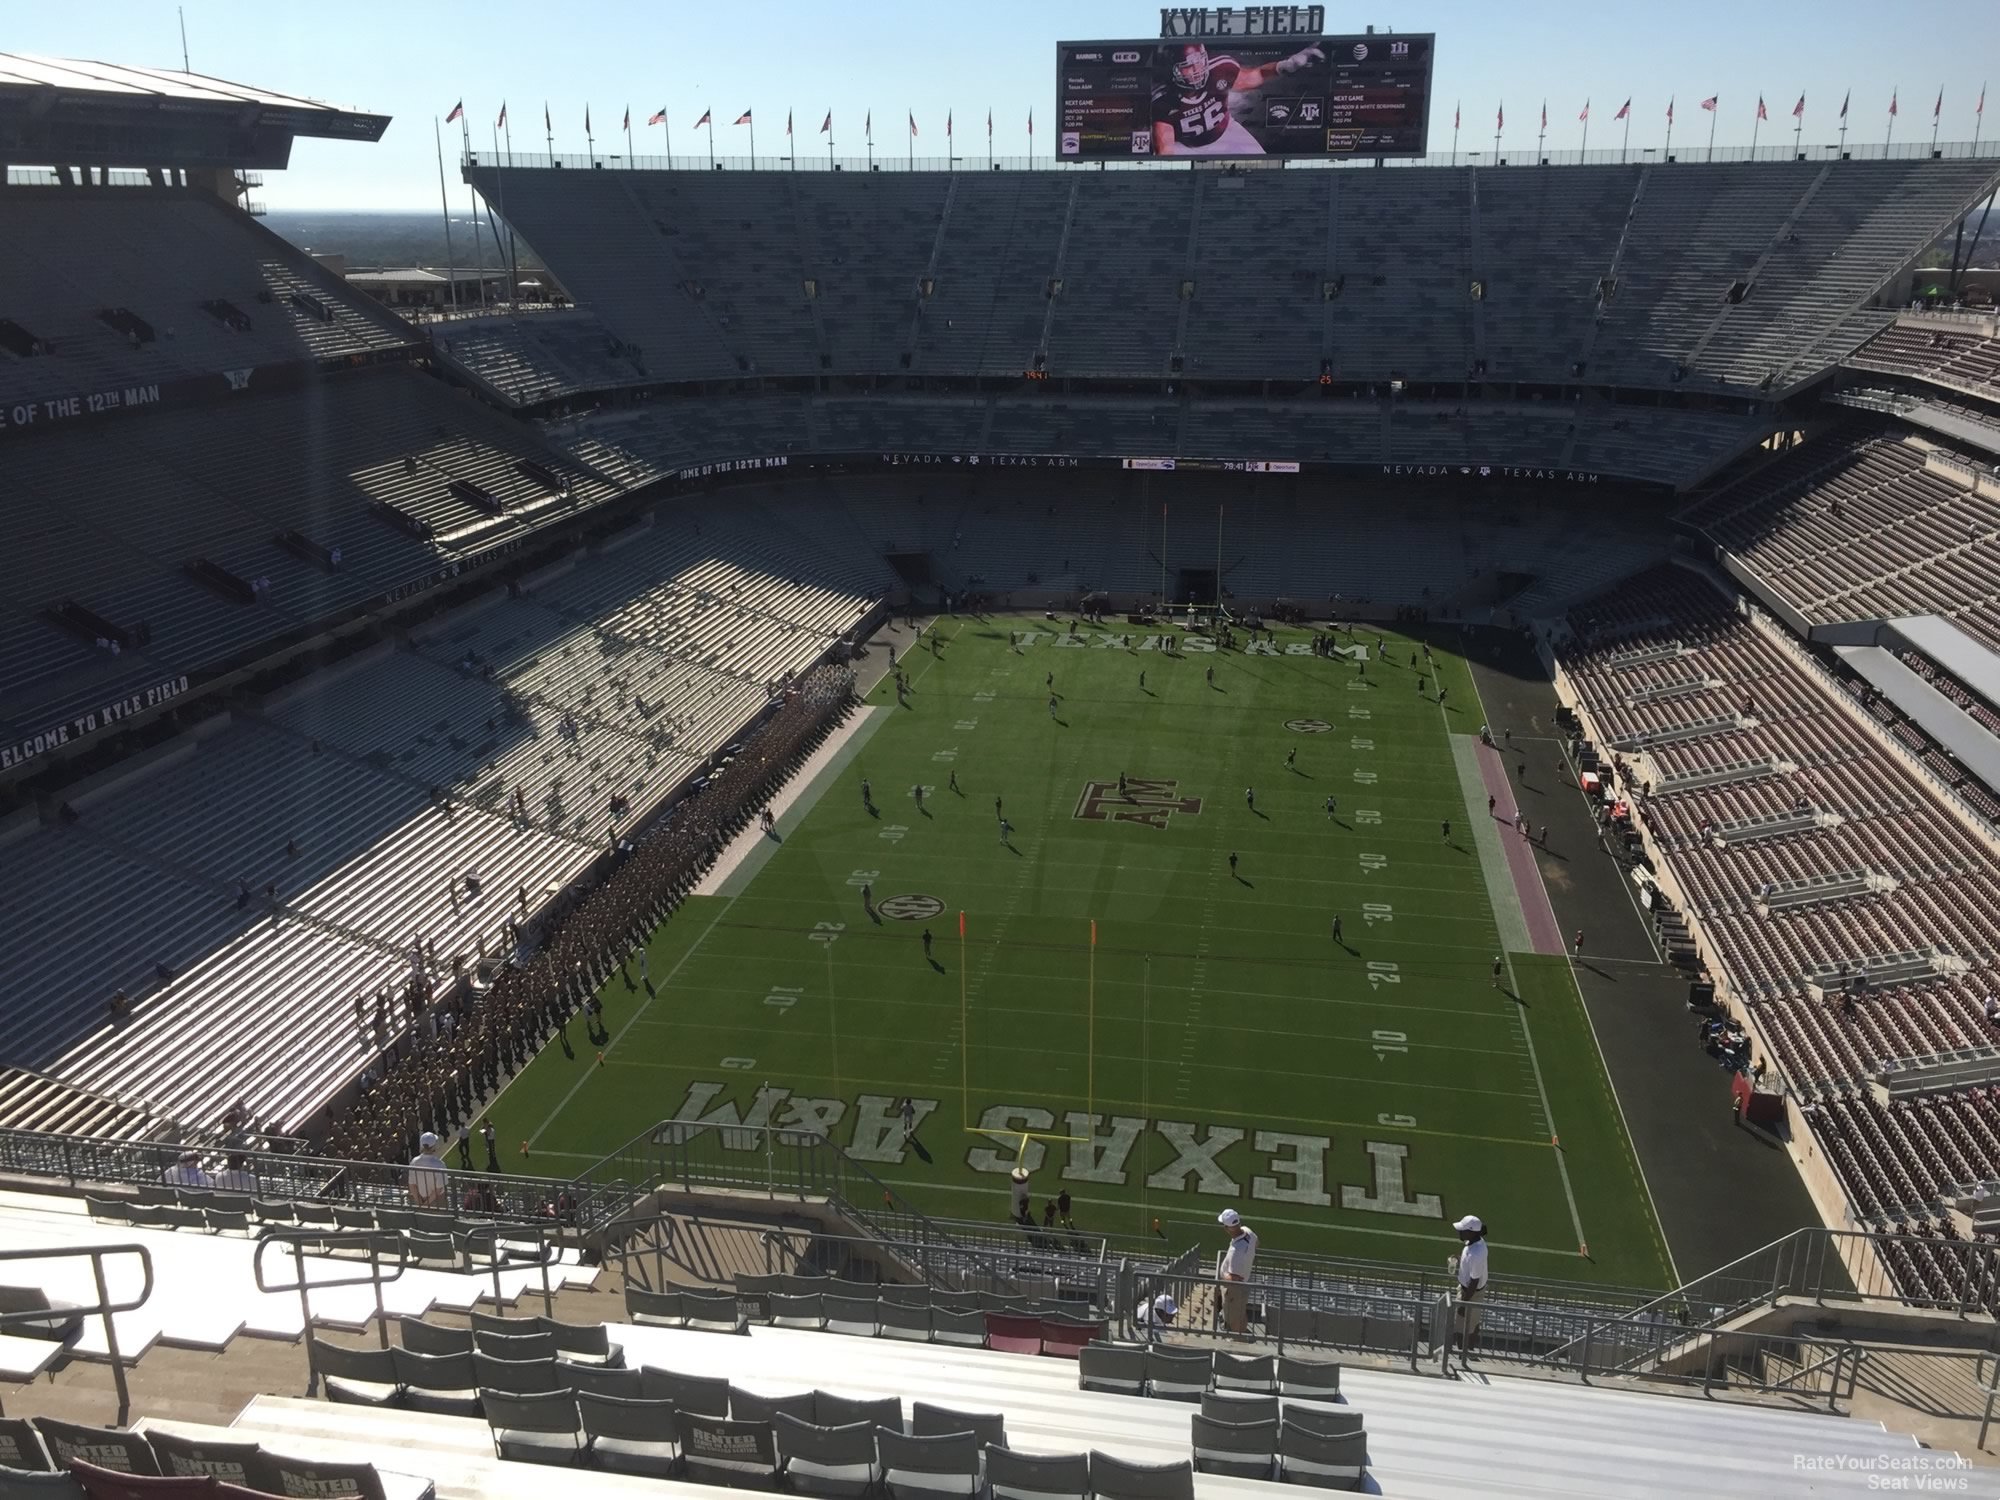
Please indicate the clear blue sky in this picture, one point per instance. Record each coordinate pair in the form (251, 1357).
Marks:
(413, 60)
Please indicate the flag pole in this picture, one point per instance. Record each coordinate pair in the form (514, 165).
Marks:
(444, 211)
(1714, 119)
(472, 198)
(710, 117)
(1454, 137)
(1979, 116)
(868, 130)
(667, 131)
(753, 140)
(1890, 134)
(549, 126)
(1584, 150)
(1498, 120)
(1936, 111)
(1756, 126)
(1624, 146)
(500, 177)
(791, 143)
(1799, 129)
(630, 154)
(829, 140)
(1543, 133)
(589, 140)
(1667, 150)
(513, 260)
(912, 143)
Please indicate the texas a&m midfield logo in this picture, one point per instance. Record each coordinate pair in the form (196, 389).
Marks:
(1144, 800)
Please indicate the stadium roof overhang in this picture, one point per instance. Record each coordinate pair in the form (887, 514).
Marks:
(63, 112)
(1943, 720)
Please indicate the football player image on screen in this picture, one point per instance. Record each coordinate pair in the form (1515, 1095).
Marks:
(1191, 109)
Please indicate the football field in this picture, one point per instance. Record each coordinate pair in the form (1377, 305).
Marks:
(1147, 1004)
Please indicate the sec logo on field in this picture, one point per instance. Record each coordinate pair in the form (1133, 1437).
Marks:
(911, 908)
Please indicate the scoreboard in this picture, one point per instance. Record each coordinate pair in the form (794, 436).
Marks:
(1325, 96)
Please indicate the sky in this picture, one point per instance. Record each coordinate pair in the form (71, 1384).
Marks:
(414, 61)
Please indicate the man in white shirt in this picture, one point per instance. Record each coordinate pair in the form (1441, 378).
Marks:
(1470, 1266)
(187, 1172)
(1233, 1269)
(428, 1179)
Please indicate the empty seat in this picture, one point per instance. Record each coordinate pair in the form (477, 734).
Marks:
(926, 1466)
(1304, 1457)
(1245, 1372)
(750, 1406)
(1323, 1421)
(438, 1382)
(371, 1377)
(936, 1421)
(1177, 1374)
(903, 1320)
(850, 1315)
(714, 1312)
(1114, 1478)
(1036, 1476)
(502, 1323)
(519, 1377)
(284, 1475)
(514, 1346)
(659, 1309)
(601, 1380)
(952, 1326)
(821, 1460)
(797, 1312)
(583, 1343)
(706, 1395)
(434, 1338)
(1013, 1333)
(629, 1435)
(540, 1428)
(1308, 1377)
(830, 1410)
(902, 1294)
(1237, 1406)
(1112, 1367)
(1244, 1449)
(1063, 1337)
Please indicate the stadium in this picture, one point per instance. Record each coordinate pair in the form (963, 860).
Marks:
(744, 859)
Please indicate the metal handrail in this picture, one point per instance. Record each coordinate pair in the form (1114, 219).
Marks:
(296, 1241)
(104, 1306)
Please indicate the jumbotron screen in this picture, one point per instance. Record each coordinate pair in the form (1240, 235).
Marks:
(1329, 96)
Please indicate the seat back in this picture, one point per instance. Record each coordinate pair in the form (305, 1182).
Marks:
(642, 1306)
(704, 1395)
(1323, 1421)
(1246, 1450)
(826, 1460)
(950, 1326)
(54, 1484)
(749, 1406)
(346, 1362)
(1120, 1368)
(106, 1447)
(728, 1452)
(1013, 1333)
(592, 1340)
(1228, 1406)
(232, 1463)
(754, 1293)
(1305, 1457)
(714, 1311)
(601, 1380)
(950, 1456)
(434, 1338)
(1245, 1372)
(114, 1484)
(1037, 1476)
(797, 1312)
(1063, 1337)
(939, 1421)
(1118, 1479)
(626, 1419)
(434, 1372)
(21, 1448)
(517, 1377)
(319, 1477)
(1308, 1377)
(903, 1294)
(536, 1345)
(905, 1320)
(500, 1323)
(1177, 1374)
(850, 1315)
(537, 1425)
(830, 1410)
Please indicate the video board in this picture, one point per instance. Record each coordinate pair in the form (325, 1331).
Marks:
(1328, 96)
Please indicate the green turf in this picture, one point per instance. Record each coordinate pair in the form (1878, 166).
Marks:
(1220, 1003)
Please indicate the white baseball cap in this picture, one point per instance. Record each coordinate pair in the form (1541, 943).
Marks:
(1230, 1217)
(1470, 1223)
(1164, 1305)
(427, 1141)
